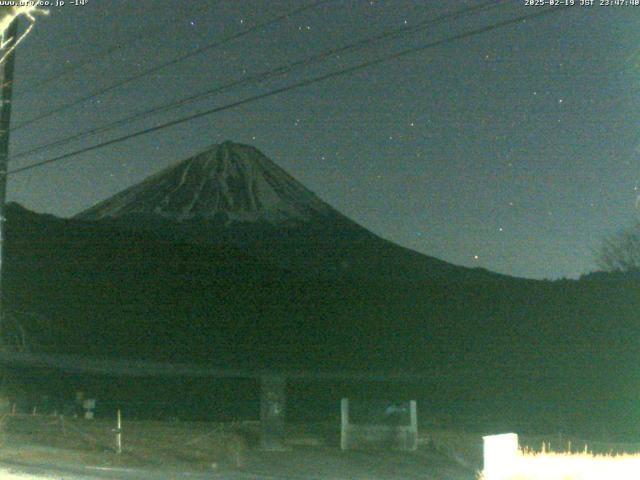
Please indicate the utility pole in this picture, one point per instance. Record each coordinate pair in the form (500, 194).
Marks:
(6, 75)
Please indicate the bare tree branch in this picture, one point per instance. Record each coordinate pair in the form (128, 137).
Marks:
(621, 252)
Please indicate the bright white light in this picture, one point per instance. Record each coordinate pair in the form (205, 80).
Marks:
(502, 463)
(500, 455)
(8, 14)
(582, 466)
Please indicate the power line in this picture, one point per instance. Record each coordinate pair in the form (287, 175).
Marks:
(162, 66)
(262, 76)
(122, 43)
(294, 86)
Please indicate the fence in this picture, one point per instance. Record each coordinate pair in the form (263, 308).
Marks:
(395, 427)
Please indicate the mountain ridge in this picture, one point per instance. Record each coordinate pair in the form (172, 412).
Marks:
(232, 194)
(230, 179)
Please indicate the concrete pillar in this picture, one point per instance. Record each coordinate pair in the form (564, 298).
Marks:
(272, 411)
(344, 424)
(413, 428)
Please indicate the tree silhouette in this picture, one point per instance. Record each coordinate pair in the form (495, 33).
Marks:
(621, 252)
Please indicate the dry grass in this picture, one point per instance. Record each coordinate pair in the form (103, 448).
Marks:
(569, 466)
(570, 463)
(198, 445)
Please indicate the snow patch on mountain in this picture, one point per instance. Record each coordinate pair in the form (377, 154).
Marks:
(232, 181)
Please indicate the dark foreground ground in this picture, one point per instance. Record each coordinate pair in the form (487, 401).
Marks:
(299, 463)
(50, 447)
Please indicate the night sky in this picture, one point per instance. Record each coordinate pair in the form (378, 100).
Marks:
(516, 150)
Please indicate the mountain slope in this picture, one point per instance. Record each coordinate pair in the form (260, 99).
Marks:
(90, 289)
(232, 194)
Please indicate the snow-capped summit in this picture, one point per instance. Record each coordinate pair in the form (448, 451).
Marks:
(232, 195)
(231, 181)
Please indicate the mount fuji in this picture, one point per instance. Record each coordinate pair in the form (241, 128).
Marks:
(228, 183)
(225, 260)
(233, 195)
